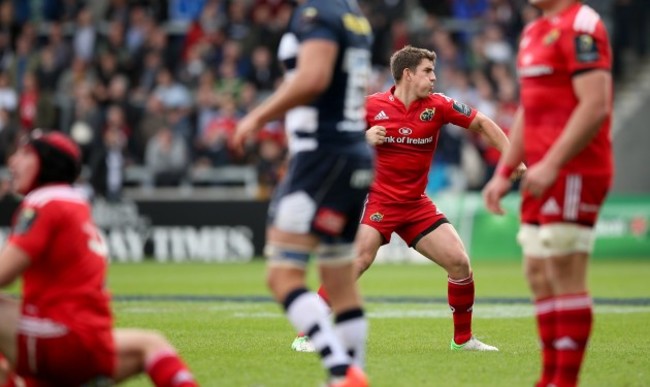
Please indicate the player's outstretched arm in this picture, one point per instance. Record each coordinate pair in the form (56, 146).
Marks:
(312, 76)
(13, 261)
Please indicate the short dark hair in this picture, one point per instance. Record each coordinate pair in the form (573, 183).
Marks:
(408, 57)
(59, 156)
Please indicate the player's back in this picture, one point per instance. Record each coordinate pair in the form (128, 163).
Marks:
(335, 120)
(65, 280)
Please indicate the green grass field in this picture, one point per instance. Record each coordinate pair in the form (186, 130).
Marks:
(221, 319)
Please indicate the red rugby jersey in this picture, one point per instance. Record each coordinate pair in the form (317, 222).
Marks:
(551, 51)
(403, 161)
(65, 280)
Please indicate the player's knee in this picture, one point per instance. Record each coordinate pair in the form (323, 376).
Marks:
(287, 256)
(458, 265)
(365, 258)
(528, 238)
(335, 254)
(561, 239)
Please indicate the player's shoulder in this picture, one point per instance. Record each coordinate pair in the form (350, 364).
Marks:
(60, 194)
(581, 19)
(440, 98)
(324, 10)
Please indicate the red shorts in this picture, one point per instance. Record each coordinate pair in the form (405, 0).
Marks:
(571, 199)
(51, 354)
(410, 220)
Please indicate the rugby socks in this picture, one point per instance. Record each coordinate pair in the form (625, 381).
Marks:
(166, 369)
(460, 295)
(352, 329)
(573, 322)
(308, 314)
(325, 297)
(545, 314)
(323, 294)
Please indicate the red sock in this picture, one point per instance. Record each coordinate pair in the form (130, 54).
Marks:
(573, 323)
(323, 294)
(166, 369)
(460, 294)
(545, 312)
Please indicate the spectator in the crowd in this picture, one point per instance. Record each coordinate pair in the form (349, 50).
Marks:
(85, 36)
(34, 109)
(107, 165)
(25, 60)
(153, 118)
(166, 158)
(172, 93)
(213, 141)
(8, 96)
(60, 46)
(263, 73)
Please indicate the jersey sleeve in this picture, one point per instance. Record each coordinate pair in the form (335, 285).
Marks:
(32, 229)
(586, 46)
(310, 22)
(456, 112)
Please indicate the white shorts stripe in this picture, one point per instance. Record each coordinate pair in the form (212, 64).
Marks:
(572, 197)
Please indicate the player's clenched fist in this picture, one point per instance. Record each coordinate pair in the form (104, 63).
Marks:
(376, 135)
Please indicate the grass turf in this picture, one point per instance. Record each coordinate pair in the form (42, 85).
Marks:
(246, 343)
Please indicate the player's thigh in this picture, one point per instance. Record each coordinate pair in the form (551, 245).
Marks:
(9, 315)
(132, 346)
(444, 247)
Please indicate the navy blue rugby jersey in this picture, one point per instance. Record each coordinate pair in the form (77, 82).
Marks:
(335, 119)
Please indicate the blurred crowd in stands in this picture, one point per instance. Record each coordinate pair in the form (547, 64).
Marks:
(161, 84)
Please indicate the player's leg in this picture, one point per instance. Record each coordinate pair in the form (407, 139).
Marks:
(147, 351)
(9, 316)
(442, 245)
(367, 242)
(536, 271)
(573, 305)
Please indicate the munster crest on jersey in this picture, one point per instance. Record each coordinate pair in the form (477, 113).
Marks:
(427, 114)
(377, 217)
(551, 37)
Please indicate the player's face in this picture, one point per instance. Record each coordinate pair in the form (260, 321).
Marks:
(424, 78)
(23, 166)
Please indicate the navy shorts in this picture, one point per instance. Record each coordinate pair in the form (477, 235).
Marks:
(323, 193)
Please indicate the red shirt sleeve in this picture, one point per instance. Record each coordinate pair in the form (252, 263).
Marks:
(584, 50)
(455, 112)
(32, 229)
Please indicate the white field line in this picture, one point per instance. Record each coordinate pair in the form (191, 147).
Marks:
(375, 311)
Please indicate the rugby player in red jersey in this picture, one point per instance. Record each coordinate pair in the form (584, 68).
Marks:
(60, 333)
(404, 124)
(562, 130)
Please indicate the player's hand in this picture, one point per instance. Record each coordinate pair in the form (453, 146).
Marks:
(494, 190)
(519, 172)
(245, 127)
(376, 135)
(539, 178)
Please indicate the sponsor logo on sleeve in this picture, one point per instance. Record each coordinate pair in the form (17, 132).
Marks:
(25, 220)
(427, 114)
(586, 49)
(462, 108)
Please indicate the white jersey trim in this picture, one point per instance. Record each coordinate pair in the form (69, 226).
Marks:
(42, 196)
(41, 327)
(586, 20)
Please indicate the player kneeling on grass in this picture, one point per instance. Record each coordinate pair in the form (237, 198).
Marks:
(61, 332)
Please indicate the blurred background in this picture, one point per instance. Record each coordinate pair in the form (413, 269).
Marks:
(152, 91)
